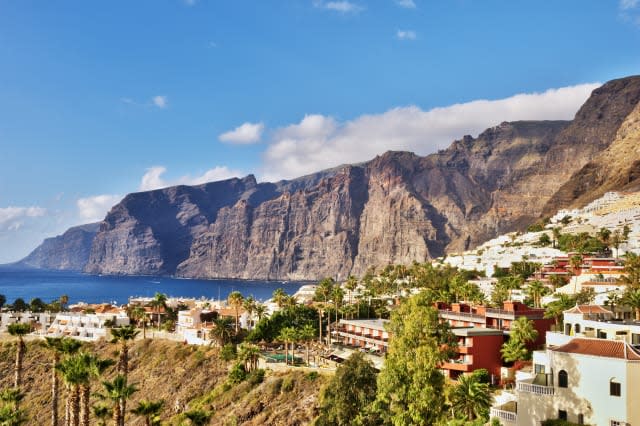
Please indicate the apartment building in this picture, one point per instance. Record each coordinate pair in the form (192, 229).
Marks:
(87, 326)
(465, 315)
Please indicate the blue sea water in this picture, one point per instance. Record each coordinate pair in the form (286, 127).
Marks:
(50, 285)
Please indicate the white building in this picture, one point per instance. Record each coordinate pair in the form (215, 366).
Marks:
(37, 319)
(589, 374)
(87, 327)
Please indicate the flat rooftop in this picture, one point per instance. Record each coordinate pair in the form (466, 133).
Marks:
(375, 324)
(476, 331)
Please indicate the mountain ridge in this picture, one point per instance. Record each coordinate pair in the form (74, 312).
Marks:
(396, 208)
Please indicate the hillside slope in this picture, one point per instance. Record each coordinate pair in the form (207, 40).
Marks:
(184, 376)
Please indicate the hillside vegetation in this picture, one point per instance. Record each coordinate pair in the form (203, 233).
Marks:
(186, 377)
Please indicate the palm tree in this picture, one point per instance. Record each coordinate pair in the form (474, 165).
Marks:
(288, 334)
(235, 299)
(279, 296)
(523, 330)
(74, 374)
(632, 299)
(96, 367)
(470, 397)
(139, 314)
(556, 308)
(150, 410)
(307, 333)
(249, 305)
(63, 300)
(536, 290)
(221, 331)
(616, 239)
(351, 285)
(102, 413)
(123, 335)
(576, 262)
(117, 391)
(613, 299)
(58, 346)
(159, 301)
(249, 355)
(19, 329)
(261, 311)
(198, 417)
(337, 294)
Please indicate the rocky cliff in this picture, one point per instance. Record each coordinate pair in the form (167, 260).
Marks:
(396, 208)
(69, 251)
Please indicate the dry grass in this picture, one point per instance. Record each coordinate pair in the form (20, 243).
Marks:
(185, 377)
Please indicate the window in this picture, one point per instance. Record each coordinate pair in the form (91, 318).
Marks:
(562, 414)
(577, 328)
(614, 388)
(581, 419)
(539, 368)
(617, 423)
(563, 379)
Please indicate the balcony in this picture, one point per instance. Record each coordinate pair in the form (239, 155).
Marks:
(462, 316)
(504, 415)
(531, 388)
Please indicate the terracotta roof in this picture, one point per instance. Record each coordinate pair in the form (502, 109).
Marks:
(599, 347)
(588, 309)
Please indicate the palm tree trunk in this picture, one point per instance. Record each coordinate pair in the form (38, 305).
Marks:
(19, 358)
(637, 314)
(286, 353)
(117, 414)
(147, 421)
(237, 318)
(123, 410)
(74, 406)
(307, 345)
(144, 328)
(67, 408)
(85, 395)
(55, 384)
(123, 364)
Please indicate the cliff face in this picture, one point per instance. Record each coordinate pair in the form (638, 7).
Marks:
(69, 251)
(396, 208)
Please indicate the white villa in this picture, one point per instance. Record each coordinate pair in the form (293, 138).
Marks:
(589, 374)
(84, 326)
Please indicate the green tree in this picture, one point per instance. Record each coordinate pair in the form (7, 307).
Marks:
(150, 411)
(631, 275)
(158, 302)
(522, 333)
(19, 305)
(123, 335)
(58, 346)
(535, 290)
(10, 413)
(37, 305)
(324, 290)
(250, 305)
(118, 390)
(221, 331)
(261, 311)
(95, 367)
(556, 308)
(19, 330)
(307, 334)
(64, 301)
(279, 296)
(410, 385)
(235, 300)
(74, 374)
(544, 240)
(350, 391)
(3, 301)
(631, 299)
(470, 398)
(198, 417)
(249, 355)
(288, 334)
(139, 314)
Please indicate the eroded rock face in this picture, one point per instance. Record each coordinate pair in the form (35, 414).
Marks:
(69, 251)
(396, 208)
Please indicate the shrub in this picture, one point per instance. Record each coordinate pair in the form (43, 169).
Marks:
(228, 352)
(312, 375)
(288, 384)
(237, 374)
(482, 375)
(256, 376)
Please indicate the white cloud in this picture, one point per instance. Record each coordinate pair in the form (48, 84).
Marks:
(244, 134)
(320, 142)
(12, 218)
(160, 101)
(629, 4)
(338, 6)
(406, 35)
(407, 4)
(93, 209)
(152, 179)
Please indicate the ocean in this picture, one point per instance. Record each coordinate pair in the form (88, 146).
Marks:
(50, 285)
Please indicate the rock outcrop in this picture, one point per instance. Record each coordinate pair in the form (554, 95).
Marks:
(396, 208)
(69, 251)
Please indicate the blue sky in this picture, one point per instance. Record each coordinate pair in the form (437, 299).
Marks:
(101, 99)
